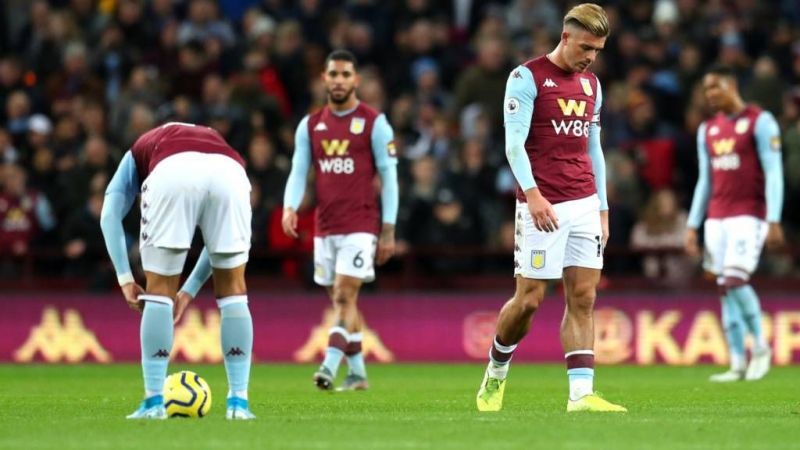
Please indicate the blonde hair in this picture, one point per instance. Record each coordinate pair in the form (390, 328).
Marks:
(590, 17)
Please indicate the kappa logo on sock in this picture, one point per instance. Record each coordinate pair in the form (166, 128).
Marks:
(161, 353)
(234, 351)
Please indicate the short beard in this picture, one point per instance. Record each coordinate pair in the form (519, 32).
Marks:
(342, 100)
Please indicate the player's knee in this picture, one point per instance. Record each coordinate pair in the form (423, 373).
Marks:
(529, 296)
(581, 300)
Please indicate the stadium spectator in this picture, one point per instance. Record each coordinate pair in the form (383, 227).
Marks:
(659, 231)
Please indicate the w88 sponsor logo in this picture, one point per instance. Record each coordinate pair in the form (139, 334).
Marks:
(577, 128)
(337, 165)
(726, 162)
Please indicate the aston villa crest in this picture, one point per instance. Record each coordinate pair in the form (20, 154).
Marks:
(357, 125)
(537, 259)
(742, 125)
(587, 87)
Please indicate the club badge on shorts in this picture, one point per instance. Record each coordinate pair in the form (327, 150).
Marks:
(537, 259)
(357, 125)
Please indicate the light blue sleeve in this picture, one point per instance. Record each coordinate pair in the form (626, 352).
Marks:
(44, 213)
(199, 276)
(702, 190)
(517, 114)
(768, 144)
(301, 163)
(386, 162)
(120, 195)
(596, 152)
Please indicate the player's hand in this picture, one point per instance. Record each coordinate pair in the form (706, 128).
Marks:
(542, 212)
(690, 243)
(604, 227)
(182, 300)
(131, 292)
(289, 222)
(775, 237)
(386, 245)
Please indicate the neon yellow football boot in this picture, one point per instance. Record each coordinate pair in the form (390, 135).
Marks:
(490, 395)
(593, 403)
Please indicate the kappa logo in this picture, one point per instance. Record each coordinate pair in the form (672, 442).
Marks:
(516, 74)
(161, 353)
(234, 351)
(549, 83)
(537, 259)
(321, 127)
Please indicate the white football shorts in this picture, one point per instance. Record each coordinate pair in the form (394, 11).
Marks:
(189, 190)
(733, 246)
(345, 254)
(577, 242)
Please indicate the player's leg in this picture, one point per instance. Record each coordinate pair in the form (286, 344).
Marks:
(356, 379)
(716, 238)
(577, 340)
(746, 240)
(344, 296)
(513, 324)
(169, 207)
(538, 256)
(582, 264)
(225, 224)
(357, 259)
(236, 330)
(162, 270)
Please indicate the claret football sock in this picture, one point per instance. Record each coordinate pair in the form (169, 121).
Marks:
(156, 340)
(500, 355)
(337, 345)
(580, 371)
(237, 342)
(355, 355)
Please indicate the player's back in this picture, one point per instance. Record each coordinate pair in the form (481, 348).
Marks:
(557, 143)
(176, 137)
(344, 166)
(737, 179)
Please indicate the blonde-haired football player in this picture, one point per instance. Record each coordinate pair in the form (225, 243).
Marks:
(551, 113)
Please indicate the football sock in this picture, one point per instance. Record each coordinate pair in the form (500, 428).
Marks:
(750, 307)
(580, 371)
(236, 329)
(500, 356)
(156, 340)
(337, 344)
(733, 324)
(355, 357)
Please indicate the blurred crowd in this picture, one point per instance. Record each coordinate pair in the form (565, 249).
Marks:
(80, 80)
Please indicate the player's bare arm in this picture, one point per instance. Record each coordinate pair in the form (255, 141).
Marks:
(131, 292)
(289, 222)
(690, 243)
(386, 244)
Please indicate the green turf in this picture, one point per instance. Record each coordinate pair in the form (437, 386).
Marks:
(408, 407)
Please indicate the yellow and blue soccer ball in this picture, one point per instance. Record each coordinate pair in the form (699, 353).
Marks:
(186, 395)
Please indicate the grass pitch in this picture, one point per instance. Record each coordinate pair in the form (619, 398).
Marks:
(408, 407)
